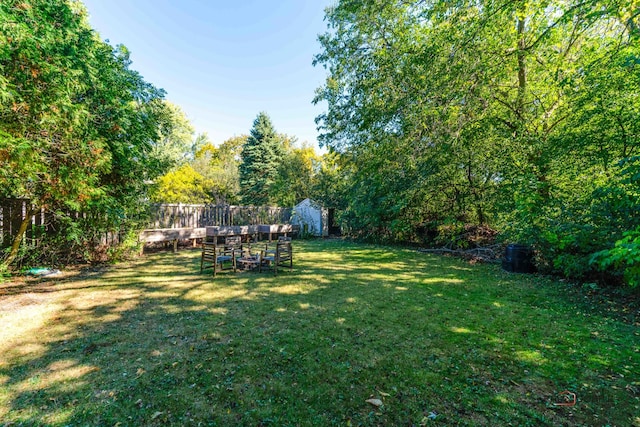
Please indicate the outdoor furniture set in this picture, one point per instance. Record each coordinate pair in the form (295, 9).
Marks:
(175, 235)
(233, 254)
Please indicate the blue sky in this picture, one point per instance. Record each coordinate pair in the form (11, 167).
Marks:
(223, 62)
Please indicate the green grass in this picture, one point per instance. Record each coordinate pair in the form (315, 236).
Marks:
(154, 342)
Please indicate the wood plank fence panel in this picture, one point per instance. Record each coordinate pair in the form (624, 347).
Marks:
(12, 212)
(42, 223)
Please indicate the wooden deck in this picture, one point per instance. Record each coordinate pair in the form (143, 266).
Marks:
(174, 235)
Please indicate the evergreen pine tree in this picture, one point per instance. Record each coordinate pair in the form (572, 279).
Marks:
(261, 155)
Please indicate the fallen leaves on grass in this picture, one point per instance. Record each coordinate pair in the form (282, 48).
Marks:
(375, 402)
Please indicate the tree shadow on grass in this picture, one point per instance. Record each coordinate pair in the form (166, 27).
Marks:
(156, 342)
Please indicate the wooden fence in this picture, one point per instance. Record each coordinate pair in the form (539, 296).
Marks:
(12, 212)
(180, 215)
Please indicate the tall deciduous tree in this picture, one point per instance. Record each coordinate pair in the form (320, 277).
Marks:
(211, 175)
(512, 113)
(296, 175)
(176, 139)
(261, 156)
(219, 167)
(181, 185)
(223, 172)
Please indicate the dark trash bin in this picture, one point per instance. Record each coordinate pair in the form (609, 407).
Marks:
(518, 259)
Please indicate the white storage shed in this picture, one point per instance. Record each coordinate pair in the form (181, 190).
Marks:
(311, 217)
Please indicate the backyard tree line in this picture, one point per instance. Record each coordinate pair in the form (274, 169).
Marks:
(519, 115)
(262, 168)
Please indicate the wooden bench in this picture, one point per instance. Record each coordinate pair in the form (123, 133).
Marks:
(244, 231)
(173, 235)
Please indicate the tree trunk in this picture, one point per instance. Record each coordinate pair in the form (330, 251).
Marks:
(18, 239)
(522, 76)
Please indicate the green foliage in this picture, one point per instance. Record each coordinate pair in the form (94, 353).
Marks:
(566, 236)
(175, 138)
(93, 236)
(182, 185)
(265, 168)
(5, 271)
(45, 139)
(128, 247)
(514, 115)
(262, 154)
(281, 173)
(219, 167)
(296, 175)
(330, 184)
(625, 256)
(209, 176)
(617, 203)
(79, 130)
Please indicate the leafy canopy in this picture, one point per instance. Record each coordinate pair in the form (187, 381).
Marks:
(511, 114)
(79, 129)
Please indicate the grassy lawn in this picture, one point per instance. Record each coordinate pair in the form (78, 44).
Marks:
(154, 342)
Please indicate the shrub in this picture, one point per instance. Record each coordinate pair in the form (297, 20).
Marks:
(625, 256)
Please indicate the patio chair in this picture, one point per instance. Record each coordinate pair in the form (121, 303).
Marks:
(233, 243)
(220, 257)
(270, 250)
(280, 256)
